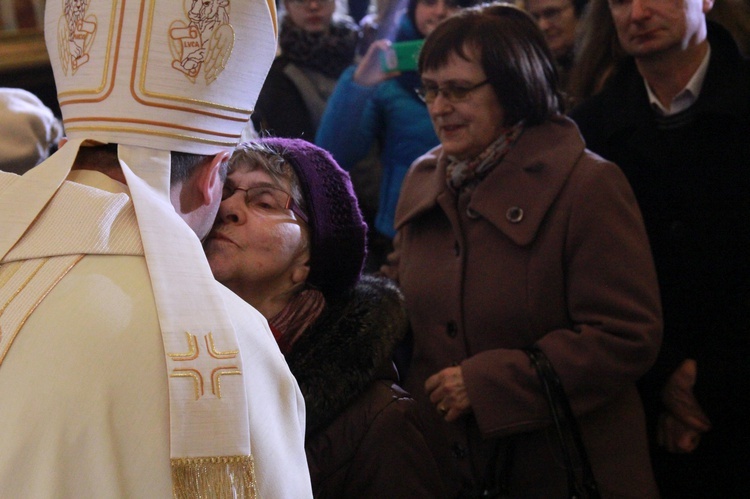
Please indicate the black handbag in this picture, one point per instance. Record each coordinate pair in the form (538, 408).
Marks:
(497, 476)
(566, 426)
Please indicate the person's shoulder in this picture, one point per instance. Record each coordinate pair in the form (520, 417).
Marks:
(6, 178)
(599, 105)
(594, 173)
(428, 161)
(279, 63)
(276, 73)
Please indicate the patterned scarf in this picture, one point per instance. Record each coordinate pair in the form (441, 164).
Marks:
(299, 314)
(462, 173)
(328, 52)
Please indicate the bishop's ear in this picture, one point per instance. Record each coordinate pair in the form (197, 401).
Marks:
(210, 178)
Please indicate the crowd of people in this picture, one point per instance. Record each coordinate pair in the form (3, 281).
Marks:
(562, 198)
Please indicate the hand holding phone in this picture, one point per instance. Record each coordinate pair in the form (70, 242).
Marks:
(402, 56)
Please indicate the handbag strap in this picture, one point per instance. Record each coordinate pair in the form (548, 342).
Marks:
(565, 422)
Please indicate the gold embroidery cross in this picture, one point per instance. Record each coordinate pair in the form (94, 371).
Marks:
(194, 352)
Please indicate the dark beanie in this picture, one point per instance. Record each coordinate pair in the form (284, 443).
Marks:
(337, 229)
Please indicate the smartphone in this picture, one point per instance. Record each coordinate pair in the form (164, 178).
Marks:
(402, 56)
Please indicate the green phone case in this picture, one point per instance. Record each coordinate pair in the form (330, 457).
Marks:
(402, 56)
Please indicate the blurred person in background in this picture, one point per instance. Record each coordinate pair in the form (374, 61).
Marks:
(676, 118)
(29, 131)
(315, 46)
(371, 106)
(558, 20)
(598, 55)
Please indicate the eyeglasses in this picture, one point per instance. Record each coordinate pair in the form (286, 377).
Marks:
(308, 2)
(451, 92)
(267, 200)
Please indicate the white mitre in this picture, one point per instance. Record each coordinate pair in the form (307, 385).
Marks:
(156, 76)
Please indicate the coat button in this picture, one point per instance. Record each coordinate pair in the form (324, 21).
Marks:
(471, 213)
(451, 329)
(514, 214)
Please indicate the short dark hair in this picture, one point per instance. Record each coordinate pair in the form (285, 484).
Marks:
(513, 54)
(183, 165)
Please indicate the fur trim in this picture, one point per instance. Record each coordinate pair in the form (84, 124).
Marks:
(347, 348)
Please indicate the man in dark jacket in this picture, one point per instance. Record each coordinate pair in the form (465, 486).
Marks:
(676, 119)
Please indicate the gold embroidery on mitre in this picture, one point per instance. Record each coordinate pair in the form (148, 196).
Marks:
(205, 42)
(75, 35)
(194, 373)
(224, 476)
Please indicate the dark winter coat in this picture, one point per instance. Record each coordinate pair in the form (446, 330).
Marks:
(691, 177)
(549, 249)
(292, 100)
(364, 436)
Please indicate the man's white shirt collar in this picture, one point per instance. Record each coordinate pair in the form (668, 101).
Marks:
(687, 96)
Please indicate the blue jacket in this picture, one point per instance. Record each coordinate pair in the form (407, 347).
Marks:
(356, 116)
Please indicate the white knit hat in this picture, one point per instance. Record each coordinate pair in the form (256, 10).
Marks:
(28, 129)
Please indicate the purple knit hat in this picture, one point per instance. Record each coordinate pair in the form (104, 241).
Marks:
(337, 229)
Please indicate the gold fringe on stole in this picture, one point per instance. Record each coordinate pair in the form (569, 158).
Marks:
(214, 477)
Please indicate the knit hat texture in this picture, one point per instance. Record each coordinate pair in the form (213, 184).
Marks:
(28, 129)
(337, 230)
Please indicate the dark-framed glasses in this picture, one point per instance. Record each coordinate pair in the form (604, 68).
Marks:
(266, 200)
(452, 92)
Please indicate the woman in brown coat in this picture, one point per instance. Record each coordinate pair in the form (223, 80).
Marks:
(512, 234)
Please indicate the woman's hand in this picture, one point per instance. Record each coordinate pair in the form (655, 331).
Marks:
(369, 71)
(447, 391)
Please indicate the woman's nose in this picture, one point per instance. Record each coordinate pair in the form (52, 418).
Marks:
(231, 209)
(639, 9)
(440, 105)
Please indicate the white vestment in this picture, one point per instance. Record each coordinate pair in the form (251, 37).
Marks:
(84, 401)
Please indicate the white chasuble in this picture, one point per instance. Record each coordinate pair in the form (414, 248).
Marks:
(83, 379)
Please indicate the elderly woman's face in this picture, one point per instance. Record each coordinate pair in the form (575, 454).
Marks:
(466, 122)
(257, 244)
(311, 15)
(557, 20)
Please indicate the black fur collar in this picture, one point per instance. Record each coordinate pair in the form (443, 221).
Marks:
(348, 347)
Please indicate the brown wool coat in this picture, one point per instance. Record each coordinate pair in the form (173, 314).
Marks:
(550, 250)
